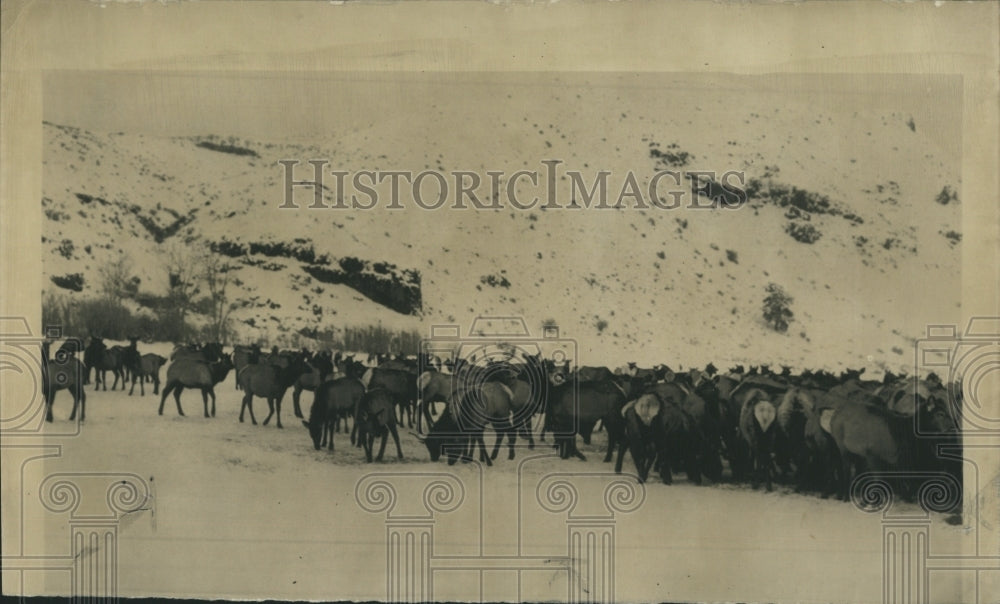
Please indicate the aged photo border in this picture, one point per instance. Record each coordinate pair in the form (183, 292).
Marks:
(835, 37)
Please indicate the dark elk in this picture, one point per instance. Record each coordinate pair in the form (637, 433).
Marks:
(334, 400)
(699, 432)
(65, 372)
(130, 359)
(641, 418)
(195, 371)
(433, 387)
(733, 393)
(270, 380)
(575, 408)
(460, 428)
(376, 416)
(445, 437)
(758, 429)
(661, 427)
(527, 401)
(320, 368)
(402, 385)
(103, 359)
(811, 449)
(243, 356)
(593, 374)
(148, 366)
(903, 434)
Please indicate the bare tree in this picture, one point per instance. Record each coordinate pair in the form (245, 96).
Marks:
(116, 279)
(182, 278)
(216, 274)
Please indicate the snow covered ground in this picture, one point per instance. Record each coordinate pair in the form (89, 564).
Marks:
(247, 511)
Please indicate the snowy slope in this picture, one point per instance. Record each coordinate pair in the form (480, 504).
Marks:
(644, 285)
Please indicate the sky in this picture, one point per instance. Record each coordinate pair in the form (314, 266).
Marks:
(284, 107)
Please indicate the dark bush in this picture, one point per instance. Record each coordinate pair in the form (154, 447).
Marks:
(350, 264)
(803, 232)
(946, 196)
(72, 281)
(495, 281)
(777, 308)
(66, 249)
(223, 148)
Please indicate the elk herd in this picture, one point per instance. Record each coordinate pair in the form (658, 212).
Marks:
(813, 430)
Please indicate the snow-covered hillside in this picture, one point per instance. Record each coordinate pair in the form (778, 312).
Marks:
(677, 286)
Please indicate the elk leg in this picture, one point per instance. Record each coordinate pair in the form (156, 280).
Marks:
(270, 410)
(132, 389)
(621, 457)
(511, 439)
(663, 456)
(166, 392)
(846, 464)
(48, 403)
(248, 403)
(395, 437)
(828, 462)
(612, 441)
(76, 401)
(526, 432)
(211, 393)
(496, 445)
(277, 409)
(563, 446)
(83, 402)
(156, 384)
(692, 467)
(177, 398)
(381, 448)
(468, 445)
(296, 393)
(713, 464)
(767, 477)
(204, 400)
(427, 407)
(482, 450)
(364, 437)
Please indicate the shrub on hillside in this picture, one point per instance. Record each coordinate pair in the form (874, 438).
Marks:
(72, 281)
(777, 308)
(946, 196)
(497, 280)
(227, 148)
(803, 232)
